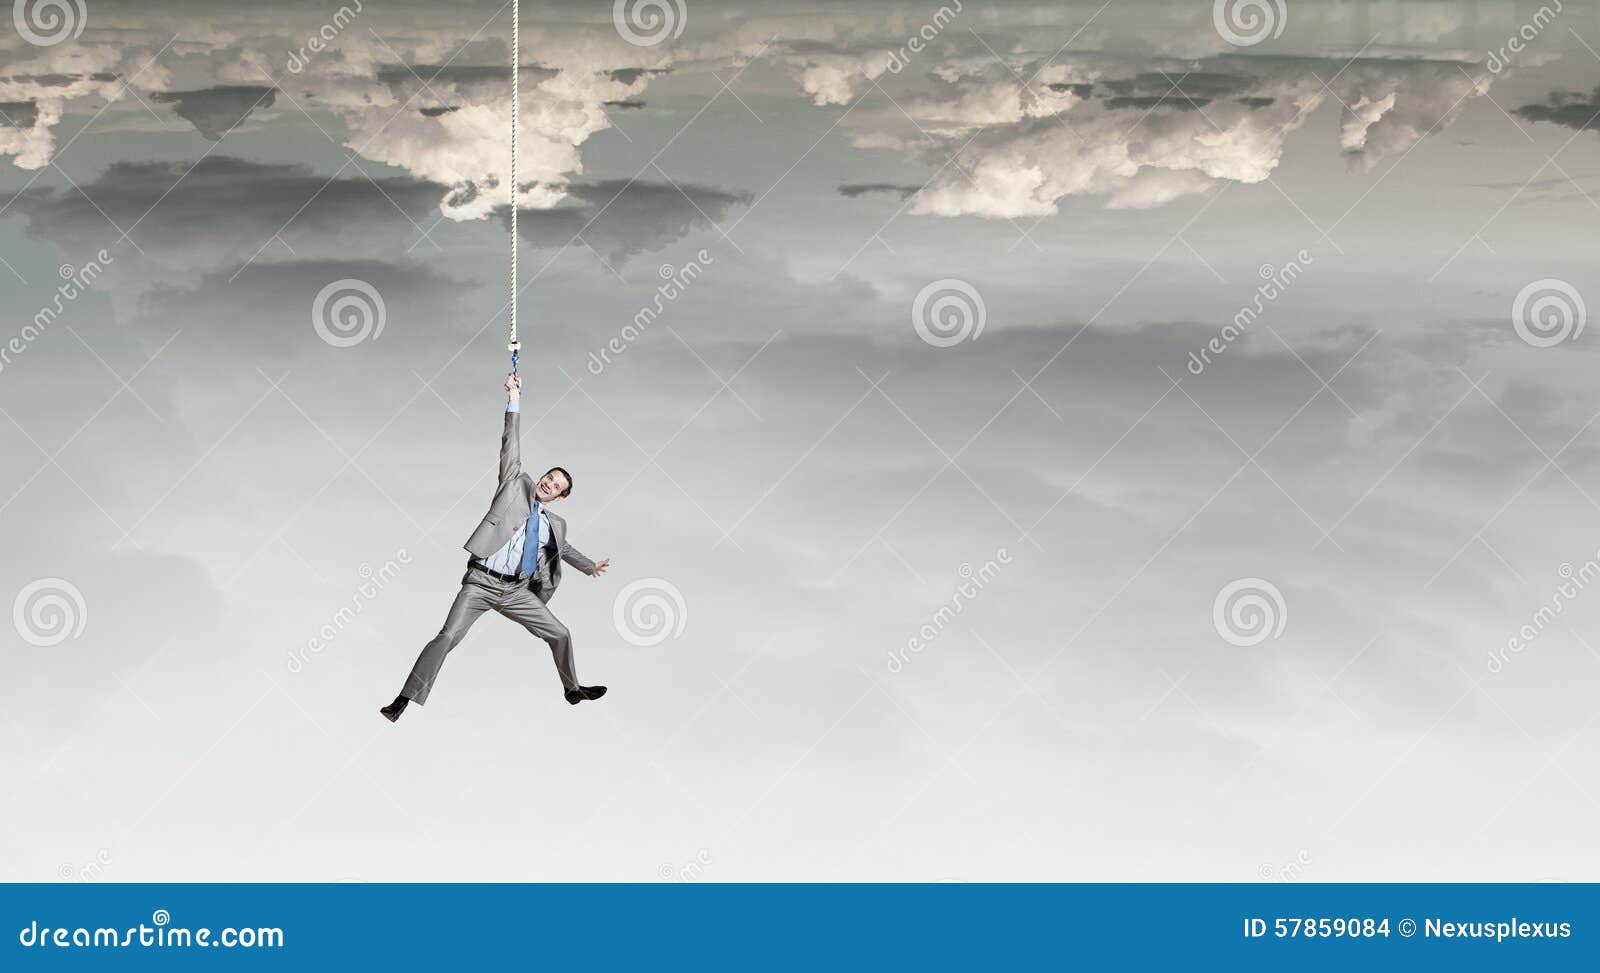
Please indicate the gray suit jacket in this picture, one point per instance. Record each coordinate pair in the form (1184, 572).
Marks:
(513, 502)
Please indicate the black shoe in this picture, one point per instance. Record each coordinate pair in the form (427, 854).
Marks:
(393, 710)
(576, 696)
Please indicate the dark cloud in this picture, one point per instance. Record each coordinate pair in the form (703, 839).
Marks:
(1569, 109)
(1185, 92)
(1147, 102)
(621, 218)
(1534, 185)
(474, 81)
(223, 212)
(59, 80)
(808, 46)
(625, 103)
(192, 196)
(435, 112)
(854, 189)
(461, 74)
(19, 114)
(1081, 90)
(216, 111)
(1178, 101)
(630, 75)
(1195, 84)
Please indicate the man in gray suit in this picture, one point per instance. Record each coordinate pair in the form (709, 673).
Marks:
(515, 568)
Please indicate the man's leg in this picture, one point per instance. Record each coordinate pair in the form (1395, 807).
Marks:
(524, 607)
(473, 600)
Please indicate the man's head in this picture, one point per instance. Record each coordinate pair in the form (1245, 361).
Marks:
(555, 484)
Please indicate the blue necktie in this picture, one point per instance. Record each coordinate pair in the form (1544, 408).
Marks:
(530, 543)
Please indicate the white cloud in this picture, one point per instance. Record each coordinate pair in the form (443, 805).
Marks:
(837, 78)
(1139, 132)
(1391, 106)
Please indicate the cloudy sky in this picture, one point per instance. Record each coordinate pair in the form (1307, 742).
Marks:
(1066, 442)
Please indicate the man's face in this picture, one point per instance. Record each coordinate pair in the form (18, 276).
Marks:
(551, 486)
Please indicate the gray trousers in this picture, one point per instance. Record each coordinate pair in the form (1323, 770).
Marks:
(480, 592)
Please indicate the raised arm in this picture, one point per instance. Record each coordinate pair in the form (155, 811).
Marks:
(578, 559)
(511, 438)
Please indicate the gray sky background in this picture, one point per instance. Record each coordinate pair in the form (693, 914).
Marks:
(208, 482)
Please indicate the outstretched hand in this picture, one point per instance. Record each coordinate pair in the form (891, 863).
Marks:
(600, 568)
(513, 387)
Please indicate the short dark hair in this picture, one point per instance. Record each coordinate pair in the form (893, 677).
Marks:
(557, 469)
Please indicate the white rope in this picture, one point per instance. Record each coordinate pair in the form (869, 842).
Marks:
(516, 58)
